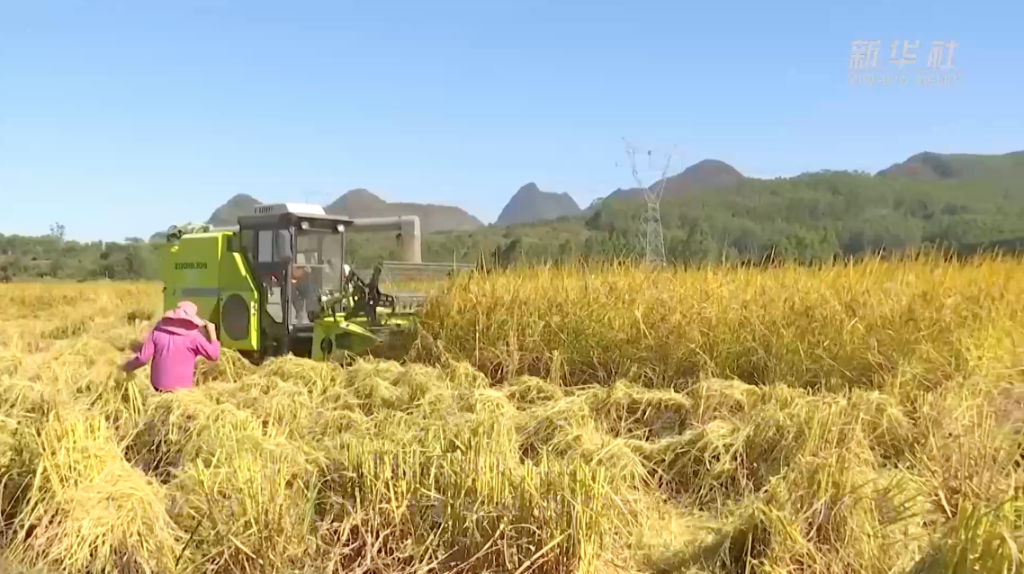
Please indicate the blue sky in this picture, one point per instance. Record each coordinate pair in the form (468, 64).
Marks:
(120, 118)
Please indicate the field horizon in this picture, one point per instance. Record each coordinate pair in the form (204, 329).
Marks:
(840, 418)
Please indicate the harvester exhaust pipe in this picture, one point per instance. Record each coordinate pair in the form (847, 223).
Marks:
(408, 228)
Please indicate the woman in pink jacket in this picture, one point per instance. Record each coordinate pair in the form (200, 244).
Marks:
(173, 345)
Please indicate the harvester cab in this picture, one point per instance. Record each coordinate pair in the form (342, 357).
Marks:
(278, 283)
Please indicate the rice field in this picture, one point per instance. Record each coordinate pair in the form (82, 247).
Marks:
(845, 419)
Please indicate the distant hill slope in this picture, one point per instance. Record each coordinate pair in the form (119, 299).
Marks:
(228, 213)
(362, 203)
(701, 175)
(594, 206)
(708, 173)
(930, 166)
(530, 204)
(433, 217)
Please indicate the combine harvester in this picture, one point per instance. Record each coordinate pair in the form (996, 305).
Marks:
(278, 282)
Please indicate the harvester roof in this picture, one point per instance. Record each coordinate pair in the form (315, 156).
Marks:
(285, 214)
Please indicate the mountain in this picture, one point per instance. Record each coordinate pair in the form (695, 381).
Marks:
(362, 203)
(708, 173)
(930, 166)
(433, 217)
(703, 174)
(594, 206)
(530, 204)
(356, 201)
(224, 216)
(228, 213)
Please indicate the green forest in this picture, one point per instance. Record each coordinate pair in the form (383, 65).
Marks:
(808, 218)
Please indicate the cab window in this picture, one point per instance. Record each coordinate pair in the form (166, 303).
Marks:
(283, 244)
(265, 246)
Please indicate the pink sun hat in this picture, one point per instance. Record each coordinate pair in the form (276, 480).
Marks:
(184, 312)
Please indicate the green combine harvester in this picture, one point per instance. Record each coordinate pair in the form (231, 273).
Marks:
(278, 283)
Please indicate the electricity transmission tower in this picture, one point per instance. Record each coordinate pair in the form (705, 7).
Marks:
(650, 221)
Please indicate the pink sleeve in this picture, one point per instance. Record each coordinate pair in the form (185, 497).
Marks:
(205, 348)
(144, 355)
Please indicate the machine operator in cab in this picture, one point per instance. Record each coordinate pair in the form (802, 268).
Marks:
(303, 288)
(303, 291)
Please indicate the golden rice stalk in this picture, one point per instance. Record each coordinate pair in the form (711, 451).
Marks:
(89, 511)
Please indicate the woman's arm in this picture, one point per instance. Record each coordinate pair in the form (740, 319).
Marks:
(208, 347)
(144, 355)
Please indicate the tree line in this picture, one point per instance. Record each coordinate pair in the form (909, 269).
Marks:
(809, 218)
(53, 257)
